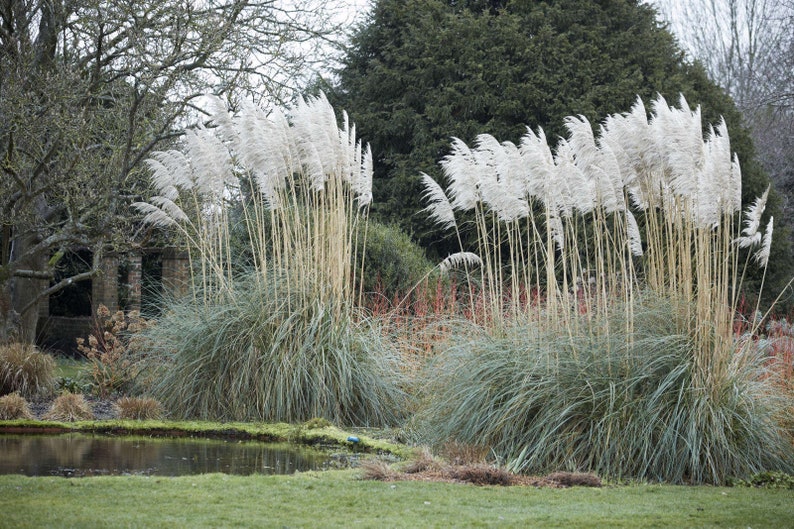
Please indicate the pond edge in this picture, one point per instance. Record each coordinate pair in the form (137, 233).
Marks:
(266, 432)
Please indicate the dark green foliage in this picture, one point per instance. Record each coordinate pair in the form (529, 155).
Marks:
(393, 263)
(422, 71)
(600, 402)
(767, 480)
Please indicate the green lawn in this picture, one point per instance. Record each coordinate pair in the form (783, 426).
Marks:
(72, 368)
(340, 499)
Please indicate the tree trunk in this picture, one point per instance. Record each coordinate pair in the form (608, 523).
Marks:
(22, 293)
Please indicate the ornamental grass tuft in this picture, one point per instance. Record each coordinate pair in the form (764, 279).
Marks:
(621, 406)
(69, 407)
(26, 370)
(139, 408)
(14, 406)
(272, 357)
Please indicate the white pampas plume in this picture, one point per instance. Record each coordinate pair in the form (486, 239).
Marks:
(170, 168)
(752, 217)
(439, 207)
(317, 138)
(736, 184)
(762, 255)
(154, 215)
(538, 161)
(210, 161)
(458, 259)
(557, 231)
(461, 169)
(362, 183)
(633, 231)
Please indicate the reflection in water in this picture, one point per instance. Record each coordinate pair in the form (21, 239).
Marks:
(85, 455)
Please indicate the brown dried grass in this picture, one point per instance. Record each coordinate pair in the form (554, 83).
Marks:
(574, 479)
(425, 467)
(139, 408)
(26, 370)
(14, 406)
(69, 407)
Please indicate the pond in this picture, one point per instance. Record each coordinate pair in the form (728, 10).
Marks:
(76, 455)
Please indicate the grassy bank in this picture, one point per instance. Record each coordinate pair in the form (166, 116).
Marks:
(338, 498)
(309, 433)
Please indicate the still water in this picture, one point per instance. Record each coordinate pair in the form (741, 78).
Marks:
(75, 455)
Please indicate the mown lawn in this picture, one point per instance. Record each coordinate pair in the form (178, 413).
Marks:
(340, 499)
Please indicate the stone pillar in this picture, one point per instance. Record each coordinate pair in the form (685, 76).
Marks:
(134, 279)
(176, 273)
(105, 285)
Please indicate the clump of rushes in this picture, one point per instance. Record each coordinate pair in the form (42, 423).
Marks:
(284, 341)
(14, 406)
(570, 246)
(139, 408)
(69, 407)
(25, 369)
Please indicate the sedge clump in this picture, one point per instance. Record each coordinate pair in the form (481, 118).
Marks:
(139, 408)
(69, 407)
(14, 406)
(26, 370)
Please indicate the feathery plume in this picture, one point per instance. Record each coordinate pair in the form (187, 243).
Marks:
(461, 169)
(439, 207)
(362, 183)
(459, 259)
(752, 217)
(762, 255)
(633, 232)
(154, 215)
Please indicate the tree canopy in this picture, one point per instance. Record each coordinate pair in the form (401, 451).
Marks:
(422, 71)
(88, 89)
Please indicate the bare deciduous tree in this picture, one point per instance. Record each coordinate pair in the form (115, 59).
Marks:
(89, 88)
(747, 46)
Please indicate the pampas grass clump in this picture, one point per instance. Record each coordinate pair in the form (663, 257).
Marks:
(267, 357)
(286, 342)
(623, 360)
(139, 408)
(619, 405)
(25, 369)
(69, 407)
(14, 406)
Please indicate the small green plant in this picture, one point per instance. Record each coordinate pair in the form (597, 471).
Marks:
(317, 423)
(767, 480)
(139, 408)
(71, 385)
(108, 350)
(14, 406)
(25, 369)
(69, 407)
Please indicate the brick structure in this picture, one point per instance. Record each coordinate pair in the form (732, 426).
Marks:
(59, 332)
(176, 273)
(134, 280)
(105, 285)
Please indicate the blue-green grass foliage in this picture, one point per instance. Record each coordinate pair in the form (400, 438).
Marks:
(258, 355)
(614, 400)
